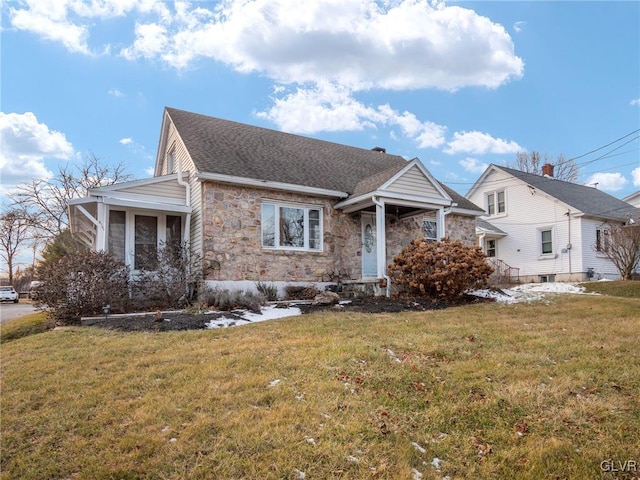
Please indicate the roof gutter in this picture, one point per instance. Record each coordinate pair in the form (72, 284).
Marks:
(270, 185)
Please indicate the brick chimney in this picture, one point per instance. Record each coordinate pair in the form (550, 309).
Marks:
(547, 170)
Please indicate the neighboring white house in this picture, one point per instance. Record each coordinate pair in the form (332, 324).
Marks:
(633, 199)
(541, 229)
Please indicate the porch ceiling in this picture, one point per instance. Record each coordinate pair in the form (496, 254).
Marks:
(393, 202)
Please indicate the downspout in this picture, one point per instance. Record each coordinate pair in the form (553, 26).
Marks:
(446, 211)
(569, 246)
(187, 186)
(186, 235)
(382, 241)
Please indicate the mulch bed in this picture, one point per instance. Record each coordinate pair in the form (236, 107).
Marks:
(172, 321)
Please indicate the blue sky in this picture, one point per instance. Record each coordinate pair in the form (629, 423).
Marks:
(457, 84)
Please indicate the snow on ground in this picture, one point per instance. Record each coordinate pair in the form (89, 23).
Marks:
(528, 292)
(270, 312)
(521, 293)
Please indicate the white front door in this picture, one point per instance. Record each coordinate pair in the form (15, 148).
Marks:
(369, 249)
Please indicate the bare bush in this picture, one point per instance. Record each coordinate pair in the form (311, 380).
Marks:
(83, 284)
(226, 300)
(622, 246)
(270, 292)
(297, 292)
(440, 270)
(168, 279)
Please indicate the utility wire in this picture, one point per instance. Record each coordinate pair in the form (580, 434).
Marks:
(600, 148)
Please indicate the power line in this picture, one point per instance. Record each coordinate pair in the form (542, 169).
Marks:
(601, 157)
(603, 146)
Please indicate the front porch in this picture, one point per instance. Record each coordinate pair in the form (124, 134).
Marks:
(132, 220)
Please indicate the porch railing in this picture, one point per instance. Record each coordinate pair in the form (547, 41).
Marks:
(503, 274)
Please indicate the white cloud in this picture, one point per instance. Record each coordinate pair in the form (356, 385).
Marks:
(635, 175)
(635, 102)
(611, 182)
(331, 107)
(479, 143)
(136, 149)
(473, 165)
(69, 21)
(519, 26)
(25, 145)
(48, 19)
(360, 44)
(114, 92)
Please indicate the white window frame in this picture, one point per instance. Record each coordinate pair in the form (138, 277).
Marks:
(426, 230)
(306, 208)
(487, 248)
(129, 230)
(495, 196)
(602, 240)
(540, 242)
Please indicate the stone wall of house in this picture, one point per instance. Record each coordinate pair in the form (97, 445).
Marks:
(401, 232)
(232, 238)
(232, 245)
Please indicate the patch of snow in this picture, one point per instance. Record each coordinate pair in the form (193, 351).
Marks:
(437, 463)
(300, 474)
(418, 447)
(243, 317)
(528, 292)
(551, 287)
(415, 474)
(275, 382)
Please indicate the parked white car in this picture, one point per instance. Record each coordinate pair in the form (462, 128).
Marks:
(8, 294)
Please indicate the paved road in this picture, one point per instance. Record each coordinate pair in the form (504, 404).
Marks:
(13, 310)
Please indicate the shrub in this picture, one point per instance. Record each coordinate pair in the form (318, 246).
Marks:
(82, 284)
(296, 292)
(270, 292)
(168, 279)
(226, 300)
(440, 270)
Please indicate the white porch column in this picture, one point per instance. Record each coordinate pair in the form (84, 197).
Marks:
(442, 232)
(101, 227)
(381, 237)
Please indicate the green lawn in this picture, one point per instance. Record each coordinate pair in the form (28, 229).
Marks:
(529, 391)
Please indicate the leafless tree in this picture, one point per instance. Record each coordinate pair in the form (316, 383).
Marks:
(622, 246)
(15, 231)
(45, 201)
(532, 162)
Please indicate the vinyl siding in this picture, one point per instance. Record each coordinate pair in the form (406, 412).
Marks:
(528, 212)
(414, 182)
(169, 189)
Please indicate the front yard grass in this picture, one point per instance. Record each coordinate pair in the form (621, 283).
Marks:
(617, 288)
(530, 391)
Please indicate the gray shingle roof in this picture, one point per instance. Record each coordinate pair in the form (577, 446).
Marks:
(462, 202)
(589, 200)
(229, 148)
(489, 227)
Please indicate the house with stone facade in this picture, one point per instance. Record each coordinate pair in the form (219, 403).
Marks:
(537, 228)
(258, 205)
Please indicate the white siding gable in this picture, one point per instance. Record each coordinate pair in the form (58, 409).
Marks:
(169, 189)
(414, 182)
